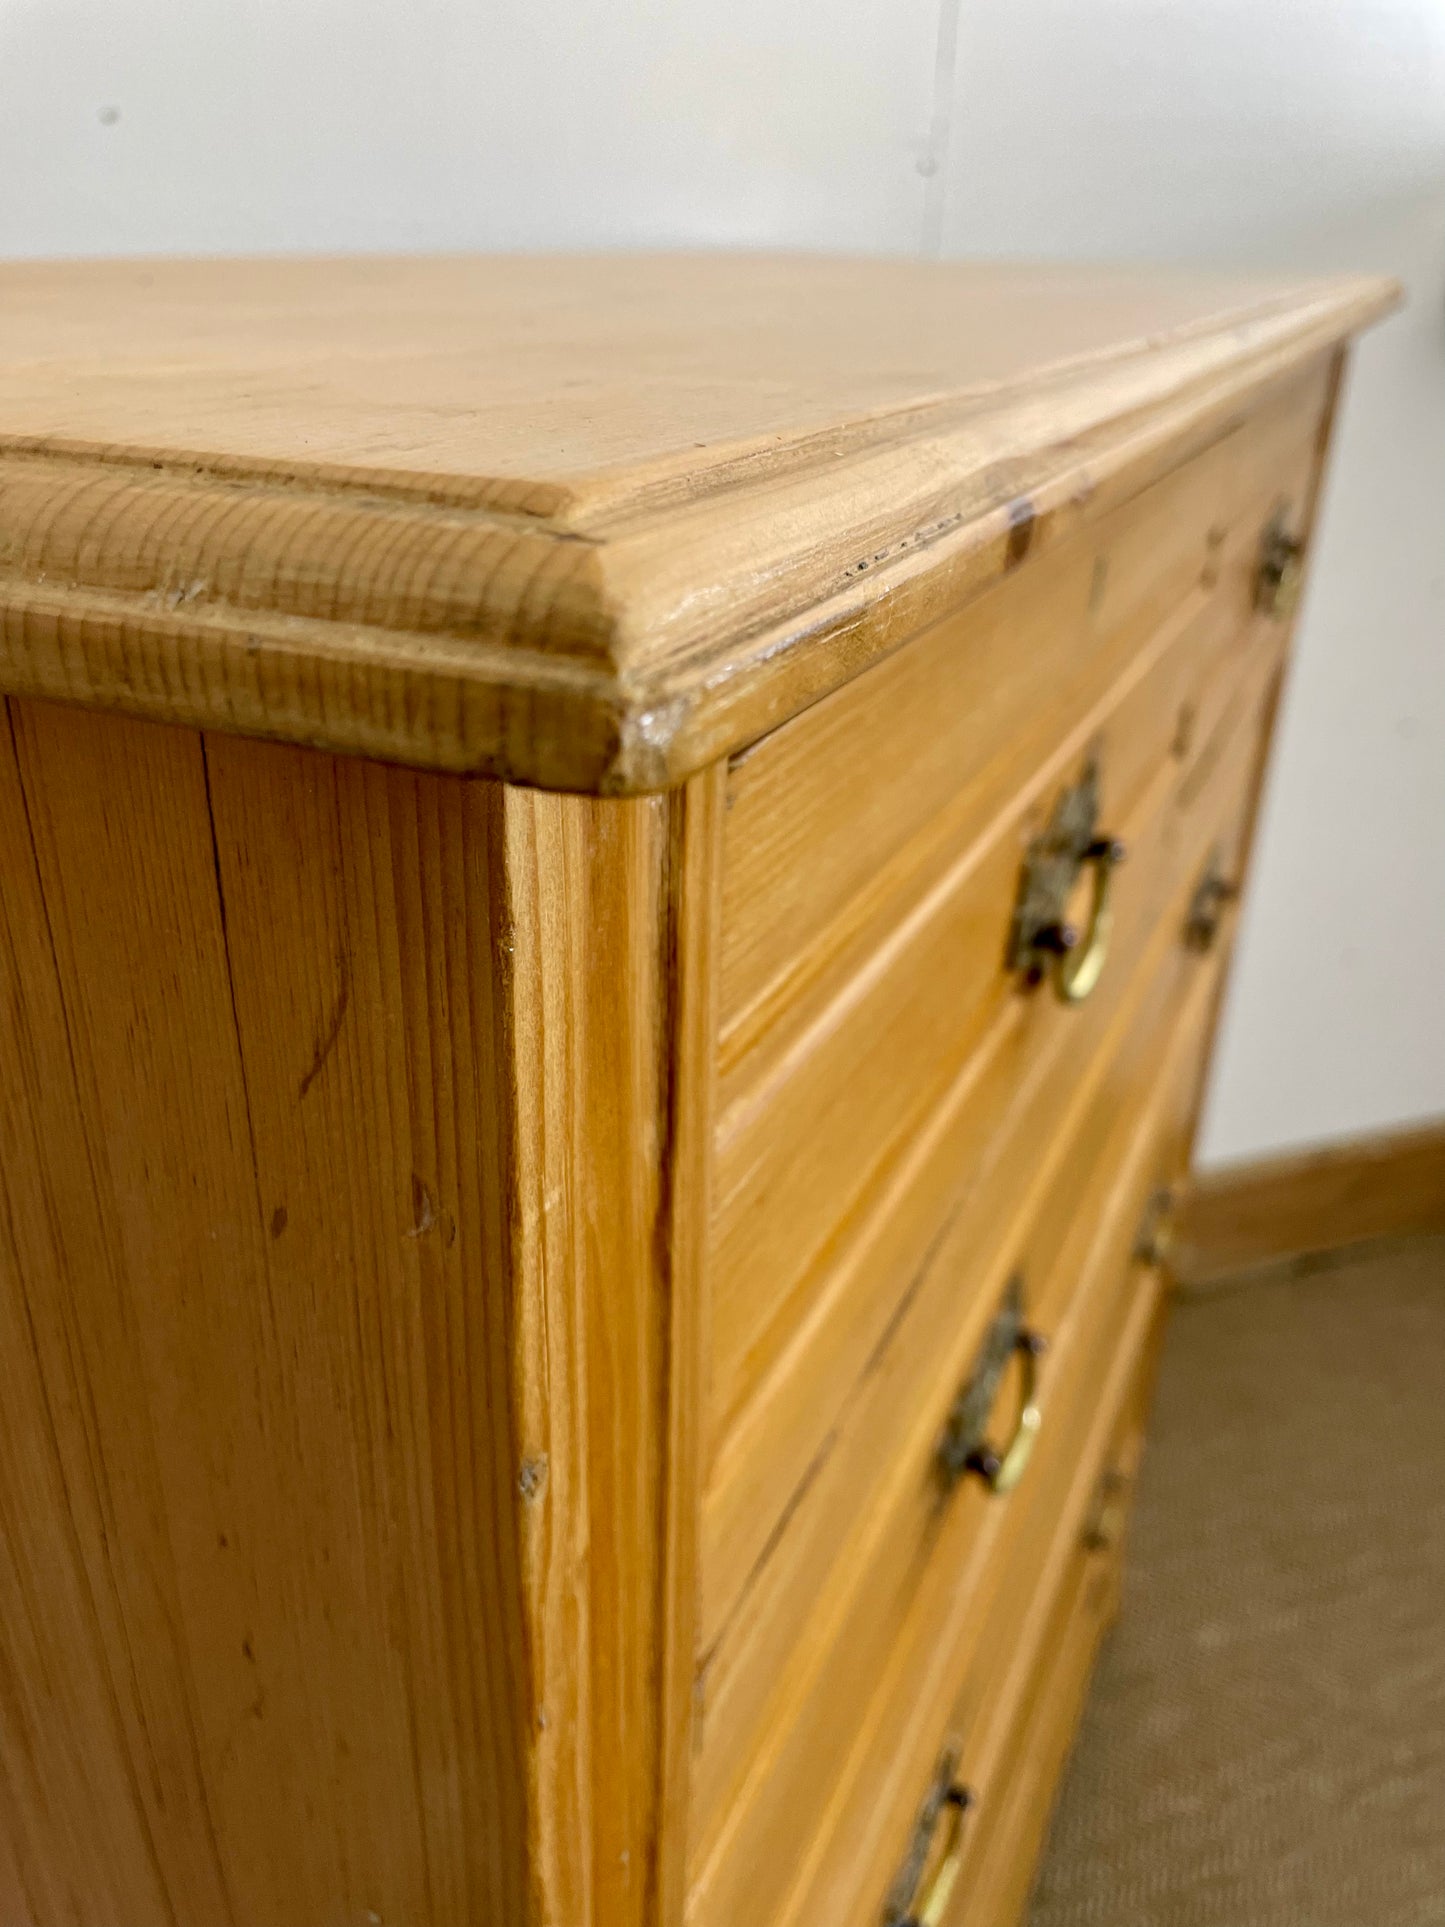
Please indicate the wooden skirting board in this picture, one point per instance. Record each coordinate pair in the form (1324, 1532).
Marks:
(1315, 1201)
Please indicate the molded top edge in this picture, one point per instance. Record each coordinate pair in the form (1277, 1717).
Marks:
(580, 521)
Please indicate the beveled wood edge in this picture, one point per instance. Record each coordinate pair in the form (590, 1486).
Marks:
(621, 678)
(693, 906)
(606, 948)
(1246, 1216)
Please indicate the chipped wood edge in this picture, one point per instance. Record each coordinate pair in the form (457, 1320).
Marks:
(616, 655)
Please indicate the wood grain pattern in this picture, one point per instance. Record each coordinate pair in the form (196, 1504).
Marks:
(791, 1411)
(606, 908)
(1050, 1676)
(346, 1384)
(887, 775)
(482, 1267)
(878, 1770)
(103, 1817)
(803, 1651)
(588, 523)
(971, 1648)
(861, 1062)
(927, 1054)
(1324, 433)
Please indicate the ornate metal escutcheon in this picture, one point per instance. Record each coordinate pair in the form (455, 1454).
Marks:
(1042, 940)
(1105, 1527)
(1156, 1228)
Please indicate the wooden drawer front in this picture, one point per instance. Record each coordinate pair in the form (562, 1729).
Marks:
(929, 746)
(811, 1137)
(872, 1544)
(829, 1802)
(1063, 1594)
(1013, 1763)
(961, 1671)
(999, 1088)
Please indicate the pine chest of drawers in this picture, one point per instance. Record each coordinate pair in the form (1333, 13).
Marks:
(614, 878)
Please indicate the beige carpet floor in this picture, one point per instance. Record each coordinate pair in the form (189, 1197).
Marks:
(1265, 1741)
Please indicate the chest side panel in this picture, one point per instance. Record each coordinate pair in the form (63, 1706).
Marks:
(264, 1625)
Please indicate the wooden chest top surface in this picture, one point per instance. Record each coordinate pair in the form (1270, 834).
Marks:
(586, 522)
(578, 378)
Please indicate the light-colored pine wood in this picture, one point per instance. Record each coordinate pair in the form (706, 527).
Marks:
(586, 523)
(1023, 1672)
(880, 1771)
(824, 809)
(953, 894)
(797, 1658)
(1050, 1690)
(779, 1379)
(609, 987)
(483, 1268)
(822, 1102)
(967, 1659)
(930, 1037)
(104, 1818)
(352, 1201)
(1306, 1203)
(808, 1730)
(1311, 506)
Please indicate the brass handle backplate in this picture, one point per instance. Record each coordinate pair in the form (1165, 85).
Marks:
(1206, 907)
(1155, 1238)
(1105, 1527)
(1042, 939)
(937, 1838)
(964, 1446)
(1281, 568)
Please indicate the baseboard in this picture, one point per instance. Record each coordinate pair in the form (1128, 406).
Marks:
(1245, 1215)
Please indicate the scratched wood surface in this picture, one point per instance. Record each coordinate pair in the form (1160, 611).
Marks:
(838, 1600)
(896, 1011)
(589, 523)
(791, 1678)
(377, 1545)
(350, 1189)
(983, 699)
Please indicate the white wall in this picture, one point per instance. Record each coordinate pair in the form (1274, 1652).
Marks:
(244, 125)
(1298, 134)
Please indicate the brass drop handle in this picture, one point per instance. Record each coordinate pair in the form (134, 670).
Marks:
(933, 1902)
(964, 1447)
(1206, 906)
(1002, 1470)
(1281, 569)
(940, 1826)
(1080, 965)
(1042, 941)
